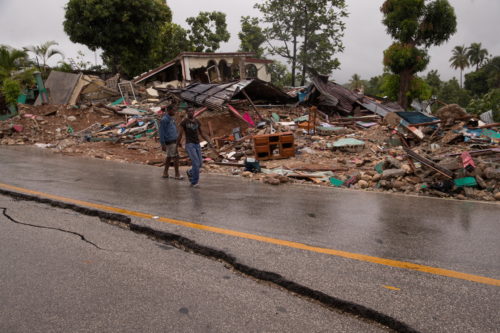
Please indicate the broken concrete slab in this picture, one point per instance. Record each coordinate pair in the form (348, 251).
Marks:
(392, 173)
(61, 87)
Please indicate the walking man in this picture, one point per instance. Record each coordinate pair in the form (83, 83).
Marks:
(191, 128)
(168, 140)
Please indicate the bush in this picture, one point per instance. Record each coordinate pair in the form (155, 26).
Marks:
(489, 101)
(11, 90)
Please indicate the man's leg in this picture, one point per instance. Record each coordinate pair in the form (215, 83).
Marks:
(190, 150)
(197, 162)
(176, 167)
(167, 165)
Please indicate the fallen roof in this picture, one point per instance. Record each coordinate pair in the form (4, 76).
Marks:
(152, 72)
(334, 95)
(215, 96)
(339, 98)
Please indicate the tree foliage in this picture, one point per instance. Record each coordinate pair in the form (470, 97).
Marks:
(43, 53)
(355, 82)
(280, 76)
(460, 60)
(476, 55)
(11, 60)
(126, 30)
(251, 36)
(414, 24)
(373, 85)
(208, 30)
(418, 88)
(172, 41)
(307, 33)
(433, 79)
(485, 79)
(490, 101)
(11, 89)
(452, 93)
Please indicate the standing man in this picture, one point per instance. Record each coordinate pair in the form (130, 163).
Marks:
(191, 127)
(168, 140)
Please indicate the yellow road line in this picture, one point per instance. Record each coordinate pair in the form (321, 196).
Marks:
(391, 288)
(338, 253)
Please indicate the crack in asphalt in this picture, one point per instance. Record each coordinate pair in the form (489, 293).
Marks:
(191, 246)
(82, 237)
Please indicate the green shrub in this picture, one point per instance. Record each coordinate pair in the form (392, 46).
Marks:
(489, 101)
(11, 90)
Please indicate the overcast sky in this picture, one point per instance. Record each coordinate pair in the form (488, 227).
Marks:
(32, 22)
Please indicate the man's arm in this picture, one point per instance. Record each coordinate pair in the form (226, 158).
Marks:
(181, 133)
(203, 135)
(162, 135)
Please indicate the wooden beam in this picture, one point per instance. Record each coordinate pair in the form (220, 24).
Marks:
(253, 105)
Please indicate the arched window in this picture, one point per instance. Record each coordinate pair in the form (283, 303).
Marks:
(235, 71)
(251, 71)
(224, 70)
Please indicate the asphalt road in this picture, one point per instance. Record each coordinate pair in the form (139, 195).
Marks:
(117, 281)
(442, 234)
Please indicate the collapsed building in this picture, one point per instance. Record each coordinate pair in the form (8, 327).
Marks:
(323, 133)
(189, 67)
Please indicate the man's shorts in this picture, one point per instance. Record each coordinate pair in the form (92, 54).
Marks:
(172, 149)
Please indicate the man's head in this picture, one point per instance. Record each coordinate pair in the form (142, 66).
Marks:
(168, 109)
(171, 110)
(190, 113)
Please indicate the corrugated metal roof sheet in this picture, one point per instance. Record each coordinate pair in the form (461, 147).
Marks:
(216, 95)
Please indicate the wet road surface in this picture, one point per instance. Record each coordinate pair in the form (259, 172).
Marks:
(117, 281)
(453, 235)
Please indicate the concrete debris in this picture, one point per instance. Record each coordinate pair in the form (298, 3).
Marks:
(322, 134)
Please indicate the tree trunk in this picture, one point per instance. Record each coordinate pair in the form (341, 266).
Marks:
(294, 59)
(304, 50)
(404, 87)
(461, 71)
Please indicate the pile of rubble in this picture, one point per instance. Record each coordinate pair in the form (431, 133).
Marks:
(322, 134)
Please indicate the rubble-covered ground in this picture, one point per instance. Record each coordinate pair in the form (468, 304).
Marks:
(380, 163)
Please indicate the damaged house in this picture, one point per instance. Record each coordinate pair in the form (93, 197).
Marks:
(189, 67)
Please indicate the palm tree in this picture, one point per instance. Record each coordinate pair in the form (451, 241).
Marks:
(11, 60)
(355, 82)
(460, 60)
(44, 52)
(477, 56)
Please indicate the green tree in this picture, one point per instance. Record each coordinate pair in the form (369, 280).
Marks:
(418, 88)
(484, 79)
(11, 60)
(477, 55)
(414, 24)
(280, 76)
(451, 93)
(126, 30)
(490, 101)
(373, 86)
(460, 60)
(43, 53)
(208, 31)
(251, 36)
(15, 73)
(172, 41)
(307, 33)
(355, 82)
(434, 81)
(11, 89)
